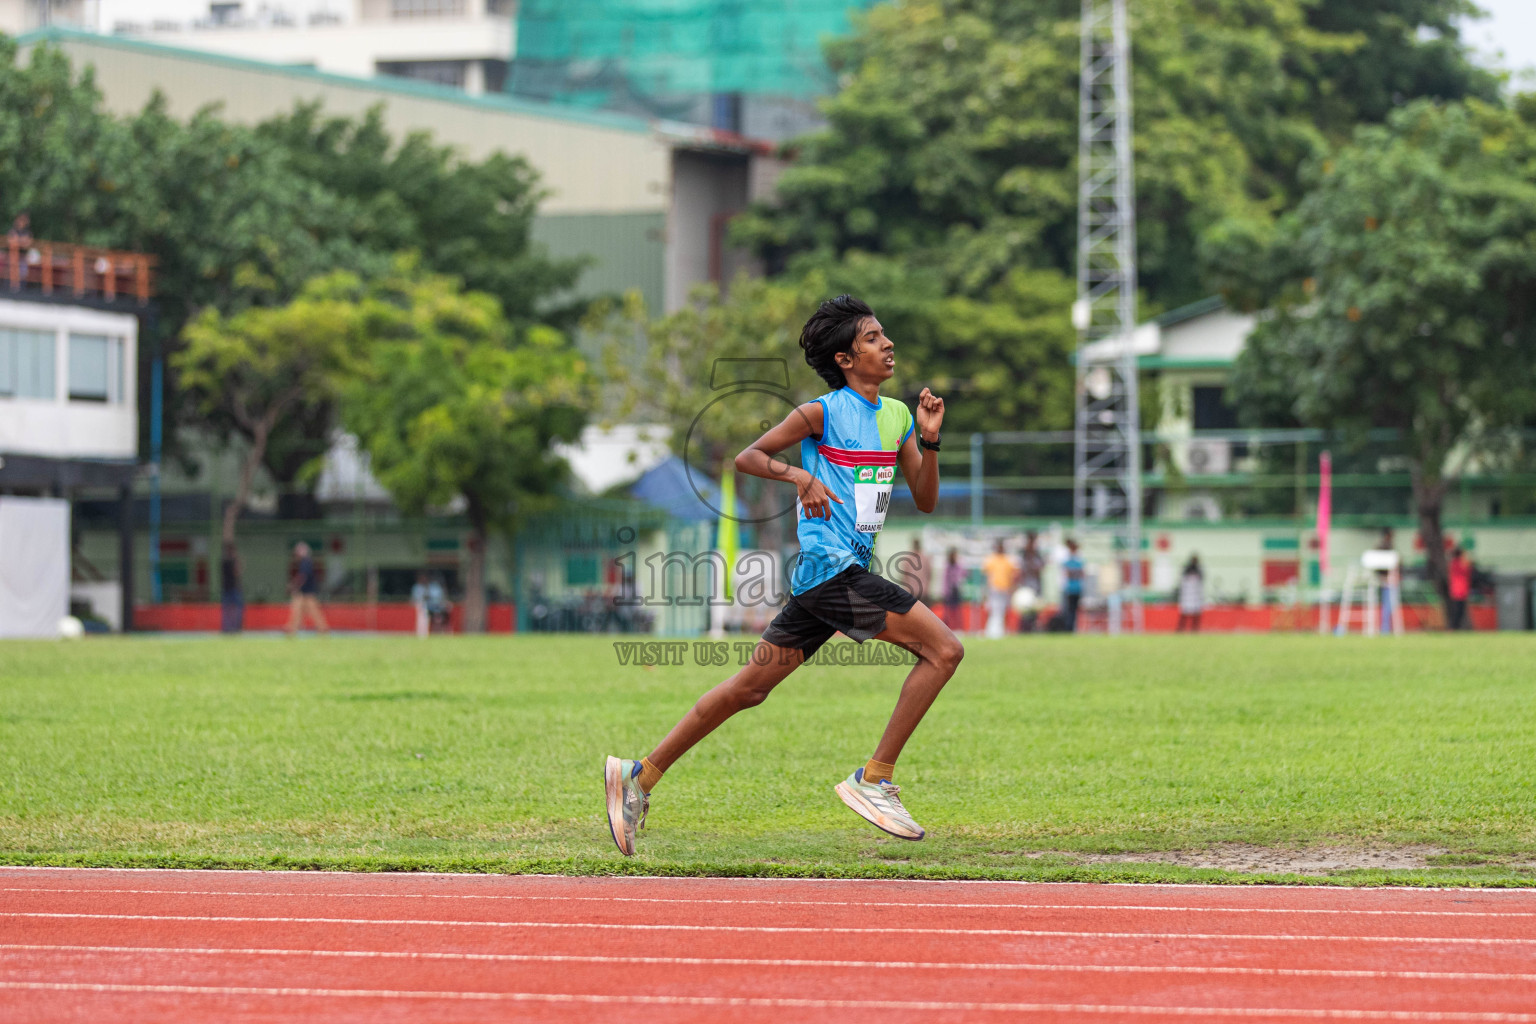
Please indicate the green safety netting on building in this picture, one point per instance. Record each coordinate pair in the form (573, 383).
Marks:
(661, 54)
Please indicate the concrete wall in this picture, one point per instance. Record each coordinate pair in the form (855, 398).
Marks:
(589, 163)
(707, 189)
(626, 250)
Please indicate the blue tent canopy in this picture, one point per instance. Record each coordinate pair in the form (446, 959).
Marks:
(683, 493)
(691, 496)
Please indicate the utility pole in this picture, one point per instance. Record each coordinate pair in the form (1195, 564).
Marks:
(1107, 463)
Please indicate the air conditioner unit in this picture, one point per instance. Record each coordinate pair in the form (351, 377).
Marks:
(1209, 458)
(1202, 508)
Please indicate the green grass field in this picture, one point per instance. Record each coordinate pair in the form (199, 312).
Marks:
(485, 755)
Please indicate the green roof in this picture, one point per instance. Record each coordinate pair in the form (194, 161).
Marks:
(496, 102)
(1190, 312)
(1165, 363)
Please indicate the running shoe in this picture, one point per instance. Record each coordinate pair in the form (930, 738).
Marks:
(627, 802)
(879, 804)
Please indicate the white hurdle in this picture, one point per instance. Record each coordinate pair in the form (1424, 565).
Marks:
(1362, 581)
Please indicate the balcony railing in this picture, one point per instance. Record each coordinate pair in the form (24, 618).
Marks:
(49, 268)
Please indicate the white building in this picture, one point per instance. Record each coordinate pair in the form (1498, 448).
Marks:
(67, 382)
(18, 16)
(68, 425)
(466, 44)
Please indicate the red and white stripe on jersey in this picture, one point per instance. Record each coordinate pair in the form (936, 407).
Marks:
(856, 456)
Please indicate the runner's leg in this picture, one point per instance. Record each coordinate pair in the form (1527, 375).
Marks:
(746, 689)
(938, 653)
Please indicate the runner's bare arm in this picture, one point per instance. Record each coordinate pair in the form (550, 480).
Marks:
(762, 459)
(919, 466)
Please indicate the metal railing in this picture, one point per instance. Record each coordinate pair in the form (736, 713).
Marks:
(82, 271)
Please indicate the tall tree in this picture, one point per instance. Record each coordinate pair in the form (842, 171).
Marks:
(1403, 290)
(456, 403)
(263, 363)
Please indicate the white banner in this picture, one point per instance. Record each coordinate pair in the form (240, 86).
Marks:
(34, 566)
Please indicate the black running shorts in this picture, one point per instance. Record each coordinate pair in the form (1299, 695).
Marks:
(853, 602)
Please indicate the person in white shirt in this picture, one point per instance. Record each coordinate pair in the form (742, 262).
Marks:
(1191, 596)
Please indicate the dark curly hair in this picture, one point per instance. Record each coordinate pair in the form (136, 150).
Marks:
(830, 330)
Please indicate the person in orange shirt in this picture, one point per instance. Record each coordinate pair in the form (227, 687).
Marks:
(1002, 574)
(1460, 586)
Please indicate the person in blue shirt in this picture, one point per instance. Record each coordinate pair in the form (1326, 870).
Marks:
(1071, 585)
(852, 440)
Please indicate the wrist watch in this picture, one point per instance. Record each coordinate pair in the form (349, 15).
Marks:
(931, 446)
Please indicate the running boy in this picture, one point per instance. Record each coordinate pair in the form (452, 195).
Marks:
(851, 442)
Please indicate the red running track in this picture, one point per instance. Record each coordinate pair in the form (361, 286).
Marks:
(127, 946)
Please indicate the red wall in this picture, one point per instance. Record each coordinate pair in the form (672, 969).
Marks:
(501, 618)
(384, 618)
(1163, 618)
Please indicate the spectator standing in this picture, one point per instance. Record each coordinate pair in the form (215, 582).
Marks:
(1071, 585)
(1002, 574)
(20, 234)
(1460, 586)
(304, 586)
(437, 602)
(1384, 582)
(1031, 572)
(231, 594)
(1032, 562)
(419, 602)
(954, 581)
(18, 241)
(1191, 596)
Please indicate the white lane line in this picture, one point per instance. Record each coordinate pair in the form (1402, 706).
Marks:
(766, 929)
(772, 1003)
(717, 961)
(777, 903)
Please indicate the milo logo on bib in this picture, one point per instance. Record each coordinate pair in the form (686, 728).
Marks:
(872, 496)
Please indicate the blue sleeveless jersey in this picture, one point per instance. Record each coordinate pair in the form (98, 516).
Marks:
(855, 459)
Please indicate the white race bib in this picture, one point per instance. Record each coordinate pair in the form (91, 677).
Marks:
(871, 496)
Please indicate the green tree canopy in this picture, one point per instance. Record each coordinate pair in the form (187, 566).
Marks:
(245, 216)
(1403, 294)
(258, 365)
(457, 403)
(954, 138)
(467, 220)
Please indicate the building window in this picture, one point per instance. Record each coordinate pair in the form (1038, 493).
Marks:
(1211, 409)
(26, 364)
(426, 8)
(95, 368)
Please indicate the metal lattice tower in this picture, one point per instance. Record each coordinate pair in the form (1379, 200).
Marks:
(1107, 464)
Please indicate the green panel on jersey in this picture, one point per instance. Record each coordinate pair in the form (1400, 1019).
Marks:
(893, 419)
